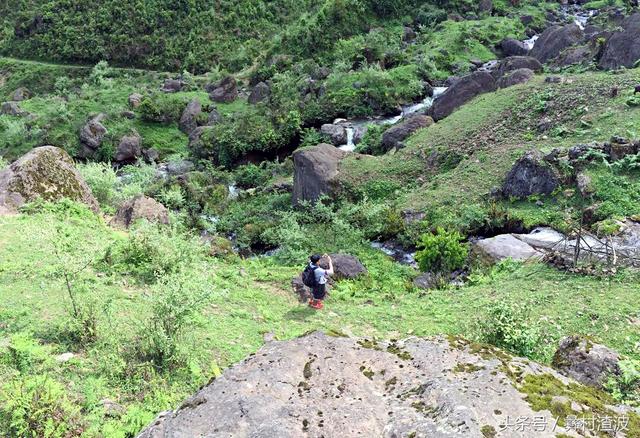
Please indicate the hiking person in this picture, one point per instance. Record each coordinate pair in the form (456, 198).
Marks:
(315, 278)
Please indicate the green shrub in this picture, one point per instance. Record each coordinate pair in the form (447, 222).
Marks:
(175, 302)
(250, 176)
(163, 107)
(441, 252)
(507, 326)
(37, 406)
(102, 180)
(153, 251)
(625, 388)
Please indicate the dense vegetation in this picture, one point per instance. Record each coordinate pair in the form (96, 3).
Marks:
(152, 313)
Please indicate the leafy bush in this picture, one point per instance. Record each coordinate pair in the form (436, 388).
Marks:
(102, 180)
(37, 406)
(163, 107)
(175, 302)
(153, 251)
(507, 326)
(250, 176)
(441, 252)
(626, 387)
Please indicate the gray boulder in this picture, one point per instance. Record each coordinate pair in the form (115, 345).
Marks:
(214, 117)
(394, 136)
(140, 207)
(520, 76)
(334, 386)
(346, 267)
(315, 170)
(485, 6)
(260, 93)
(225, 91)
(515, 63)
(129, 149)
(172, 86)
(135, 100)
(554, 40)
(513, 47)
(92, 134)
(495, 249)
(530, 175)
(21, 94)
(12, 109)
(622, 49)
(46, 172)
(189, 119)
(589, 363)
(337, 133)
(408, 34)
(577, 55)
(461, 92)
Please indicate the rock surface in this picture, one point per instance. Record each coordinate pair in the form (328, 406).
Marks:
(554, 40)
(346, 267)
(140, 207)
(172, 86)
(337, 133)
(321, 385)
(314, 172)
(46, 172)
(189, 119)
(135, 100)
(520, 76)
(530, 175)
(12, 109)
(394, 136)
(588, 363)
(21, 94)
(129, 149)
(462, 91)
(225, 91)
(513, 47)
(622, 49)
(92, 134)
(504, 246)
(260, 93)
(515, 63)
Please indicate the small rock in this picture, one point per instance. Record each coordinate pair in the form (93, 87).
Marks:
(140, 207)
(135, 100)
(129, 149)
(530, 175)
(588, 363)
(260, 93)
(21, 94)
(65, 357)
(172, 86)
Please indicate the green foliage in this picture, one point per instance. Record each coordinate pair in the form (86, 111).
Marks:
(175, 303)
(625, 388)
(152, 252)
(441, 252)
(102, 180)
(37, 406)
(251, 176)
(506, 325)
(163, 107)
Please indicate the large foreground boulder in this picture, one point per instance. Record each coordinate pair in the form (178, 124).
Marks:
(394, 136)
(461, 92)
(140, 207)
(530, 175)
(554, 40)
(622, 49)
(332, 386)
(46, 172)
(588, 363)
(314, 172)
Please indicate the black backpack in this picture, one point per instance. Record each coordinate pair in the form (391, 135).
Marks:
(309, 277)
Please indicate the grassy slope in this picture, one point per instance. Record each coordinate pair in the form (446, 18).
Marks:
(253, 297)
(493, 130)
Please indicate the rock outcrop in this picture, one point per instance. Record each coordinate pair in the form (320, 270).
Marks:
(588, 363)
(260, 93)
(337, 133)
(520, 76)
(513, 47)
(394, 136)
(314, 172)
(461, 92)
(129, 149)
(530, 175)
(46, 172)
(332, 386)
(554, 40)
(91, 135)
(346, 267)
(504, 246)
(622, 49)
(140, 207)
(189, 119)
(225, 91)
